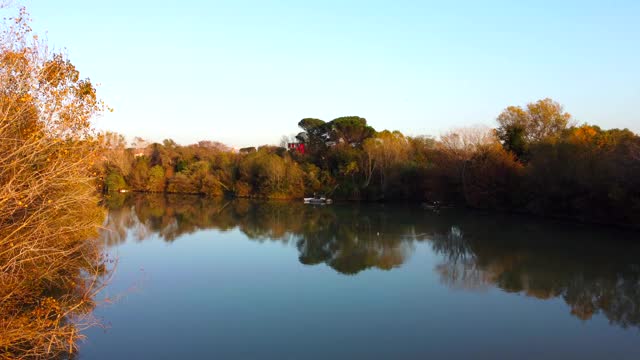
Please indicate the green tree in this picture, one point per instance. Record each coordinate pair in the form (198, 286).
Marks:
(314, 136)
(351, 130)
(114, 182)
(156, 182)
(139, 176)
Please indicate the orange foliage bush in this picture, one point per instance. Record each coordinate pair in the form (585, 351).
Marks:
(49, 271)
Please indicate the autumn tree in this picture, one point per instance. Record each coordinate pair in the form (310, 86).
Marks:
(455, 152)
(518, 127)
(589, 174)
(48, 203)
(461, 143)
(115, 154)
(492, 179)
(384, 153)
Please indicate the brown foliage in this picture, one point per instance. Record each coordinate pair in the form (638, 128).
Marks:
(492, 177)
(48, 205)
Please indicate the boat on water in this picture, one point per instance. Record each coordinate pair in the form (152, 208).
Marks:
(434, 205)
(317, 200)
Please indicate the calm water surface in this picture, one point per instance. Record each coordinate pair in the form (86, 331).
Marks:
(204, 279)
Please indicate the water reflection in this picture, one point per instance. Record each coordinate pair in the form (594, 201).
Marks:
(43, 318)
(592, 269)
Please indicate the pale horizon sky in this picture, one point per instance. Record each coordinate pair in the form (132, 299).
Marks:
(245, 72)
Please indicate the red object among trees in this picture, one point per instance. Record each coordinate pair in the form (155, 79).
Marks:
(299, 147)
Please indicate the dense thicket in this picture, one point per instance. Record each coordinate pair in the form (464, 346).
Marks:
(49, 210)
(536, 161)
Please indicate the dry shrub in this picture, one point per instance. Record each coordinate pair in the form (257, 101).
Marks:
(49, 271)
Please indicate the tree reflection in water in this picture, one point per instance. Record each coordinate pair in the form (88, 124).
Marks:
(592, 269)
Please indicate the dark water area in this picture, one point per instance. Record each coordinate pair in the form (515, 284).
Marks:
(236, 279)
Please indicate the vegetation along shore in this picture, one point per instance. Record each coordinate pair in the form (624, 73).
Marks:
(537, 160)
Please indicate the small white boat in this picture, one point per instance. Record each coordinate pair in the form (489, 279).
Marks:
(320, 200)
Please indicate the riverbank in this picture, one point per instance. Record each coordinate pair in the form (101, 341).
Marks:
(117, 198)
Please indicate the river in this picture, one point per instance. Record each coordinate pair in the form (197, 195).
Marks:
(236, 279)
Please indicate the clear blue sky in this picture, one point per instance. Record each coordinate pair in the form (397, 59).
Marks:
(245, 72)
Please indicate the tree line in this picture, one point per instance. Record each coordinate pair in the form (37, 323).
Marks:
(537, 160)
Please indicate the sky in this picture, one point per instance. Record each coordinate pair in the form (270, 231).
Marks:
(245, 72)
